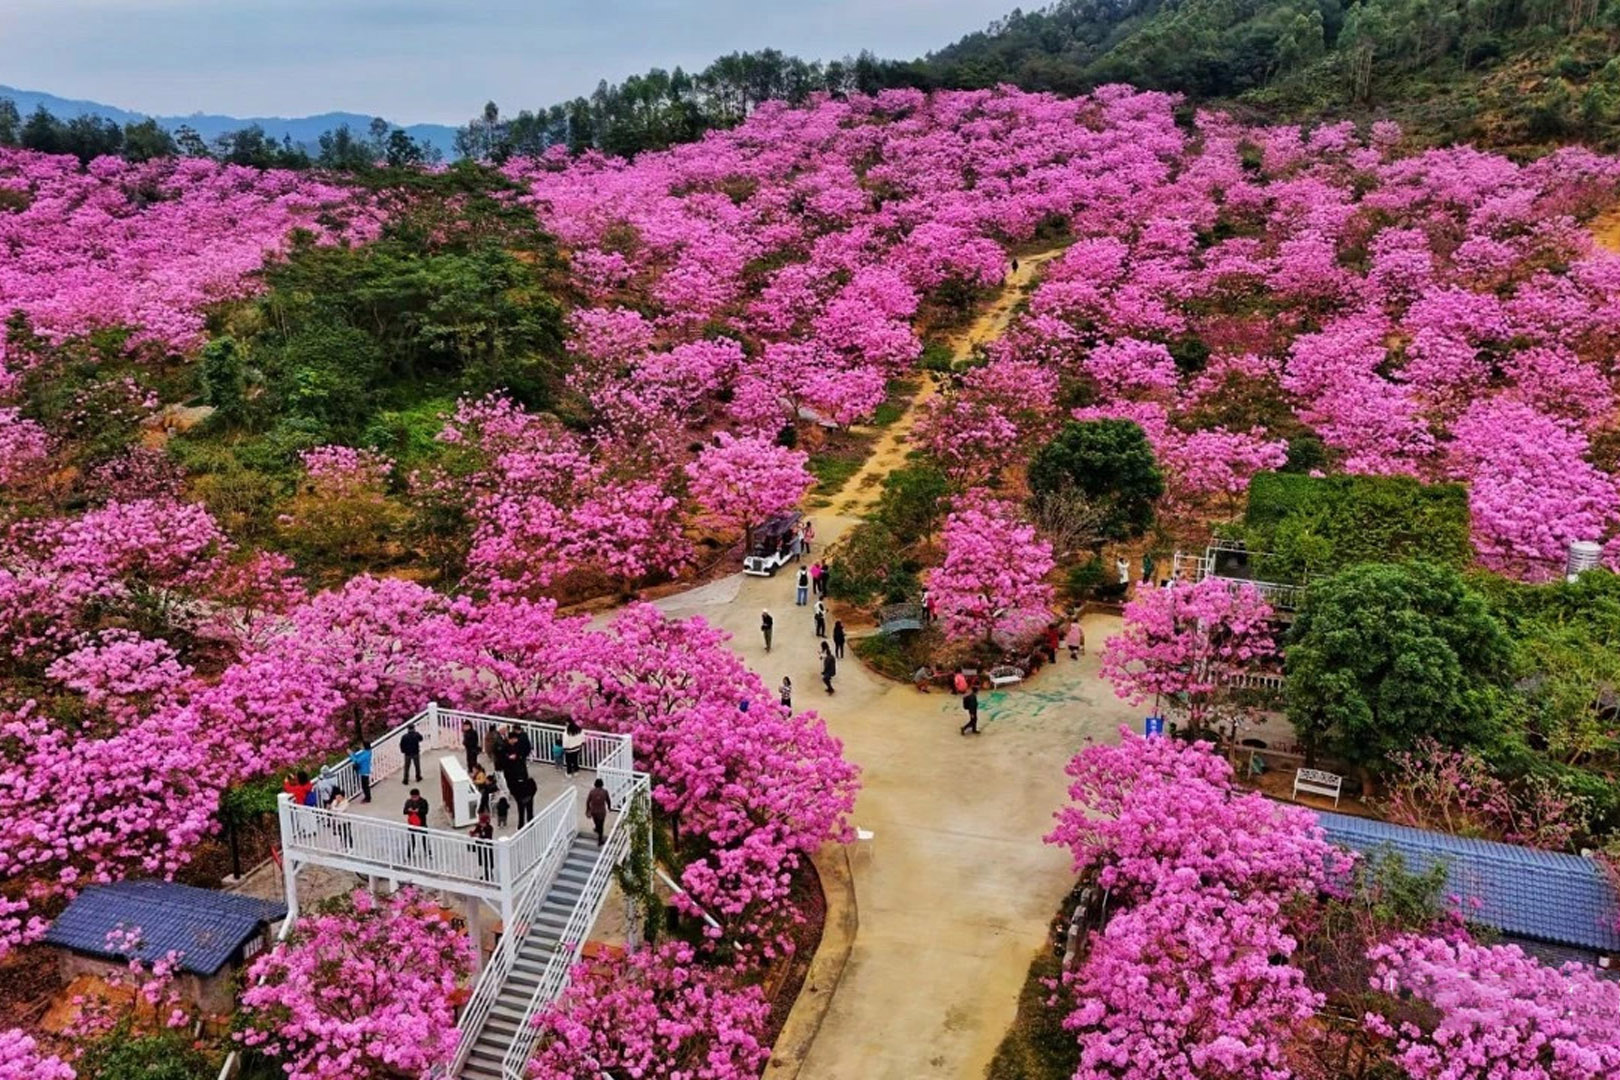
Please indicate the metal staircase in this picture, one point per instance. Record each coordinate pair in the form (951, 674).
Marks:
(535, 954)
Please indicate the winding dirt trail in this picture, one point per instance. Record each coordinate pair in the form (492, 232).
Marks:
(955, 891)
(860, 492)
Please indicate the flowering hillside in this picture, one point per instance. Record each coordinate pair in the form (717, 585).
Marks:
(561, 379)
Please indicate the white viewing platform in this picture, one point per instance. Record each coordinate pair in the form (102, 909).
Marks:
(373, 839)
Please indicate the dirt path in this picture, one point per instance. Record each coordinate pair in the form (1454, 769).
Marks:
(860, 492)
(1606, 229)
(956, 888)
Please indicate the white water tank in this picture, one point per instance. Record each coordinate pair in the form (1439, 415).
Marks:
(1583, 555)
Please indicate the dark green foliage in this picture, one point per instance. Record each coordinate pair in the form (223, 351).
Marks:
(371, 344)
(869, 567)
(1382, 655)
(1315, 525)
(1110, 463)
(913, 501)
(1082, 578)
(125, 1054)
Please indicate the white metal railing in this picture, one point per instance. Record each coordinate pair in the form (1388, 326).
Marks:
(1252, 680)
(558, 830)
(386, 846)
(572, 940)
(545, 739)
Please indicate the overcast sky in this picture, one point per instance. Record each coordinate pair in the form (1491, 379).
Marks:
(424, 60)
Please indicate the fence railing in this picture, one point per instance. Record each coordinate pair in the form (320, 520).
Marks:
(558, 836)
(385, 846)
(580, 920)
(545, 739)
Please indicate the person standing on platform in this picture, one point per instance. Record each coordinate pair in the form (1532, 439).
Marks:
(573, 744)
(524, 794)
(410, 744)
(486, 852)
(362, 769)
(469, 740)
(416, 815)
(596, 808)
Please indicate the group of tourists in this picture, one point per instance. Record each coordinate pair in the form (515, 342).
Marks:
(809, 581)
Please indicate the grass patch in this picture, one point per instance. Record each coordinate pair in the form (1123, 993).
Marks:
(900, 392)
(1036, 1047)
(896, 656)
(832, 471)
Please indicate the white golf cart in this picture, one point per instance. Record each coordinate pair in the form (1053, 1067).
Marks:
(773, 545)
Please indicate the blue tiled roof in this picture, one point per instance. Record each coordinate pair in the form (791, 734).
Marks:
(205, 926)
(1541, 895)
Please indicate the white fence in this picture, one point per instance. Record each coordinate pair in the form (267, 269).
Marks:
(449, 856)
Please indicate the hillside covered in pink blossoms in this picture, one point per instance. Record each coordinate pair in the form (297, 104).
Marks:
(661, 355)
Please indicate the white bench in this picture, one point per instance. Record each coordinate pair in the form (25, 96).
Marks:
(1006, 676)
(1317, 782)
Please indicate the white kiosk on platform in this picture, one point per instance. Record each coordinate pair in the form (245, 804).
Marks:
(457, 793)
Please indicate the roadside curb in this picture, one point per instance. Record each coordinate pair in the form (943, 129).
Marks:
(833, 864)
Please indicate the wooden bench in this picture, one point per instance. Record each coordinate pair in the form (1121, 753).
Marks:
(1317, 782)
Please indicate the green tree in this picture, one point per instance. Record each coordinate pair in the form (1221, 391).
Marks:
(1383, 655)
(1111, 464)
(10, 122)
(145, 140)
(223, 372)
(913, 501)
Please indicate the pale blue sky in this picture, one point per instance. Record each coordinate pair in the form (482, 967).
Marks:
(424, 60)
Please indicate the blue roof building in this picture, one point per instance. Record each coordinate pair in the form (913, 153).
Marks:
(208, 928)
(1540, 897)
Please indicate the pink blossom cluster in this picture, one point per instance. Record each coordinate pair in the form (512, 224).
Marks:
(1190, 978)
(660, 1015)
(149, 246)
(1495, 1012)
(992, 582)
(364, 993)
(22, 1059)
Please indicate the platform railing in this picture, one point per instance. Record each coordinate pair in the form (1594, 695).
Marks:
(558, 831)
(580, 920)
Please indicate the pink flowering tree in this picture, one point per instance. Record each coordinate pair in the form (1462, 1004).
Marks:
(366, 993)
(741, 482)
(1191, 978)
(659, 1014)
(993, 579)
(1186, 642)
(1477, 1012)
(22, 1059)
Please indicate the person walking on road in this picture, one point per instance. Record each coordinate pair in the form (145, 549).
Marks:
(801, 595)
(821, 619)
(766, 623)
(596, 808)
(829, 667)
(838, 638)
(787, 692)
(410, 744)
(970, 702)
(1076, 640)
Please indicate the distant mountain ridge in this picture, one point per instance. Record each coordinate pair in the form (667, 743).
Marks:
(303, 130)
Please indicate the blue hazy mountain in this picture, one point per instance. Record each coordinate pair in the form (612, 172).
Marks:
(303, 130)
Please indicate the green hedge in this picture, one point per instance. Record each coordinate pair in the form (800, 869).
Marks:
(1316, 525)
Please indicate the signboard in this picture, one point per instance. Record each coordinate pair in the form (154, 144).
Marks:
(1153, 726)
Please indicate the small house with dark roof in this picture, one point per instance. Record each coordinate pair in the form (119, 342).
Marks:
(1561, 907)
(214, 933)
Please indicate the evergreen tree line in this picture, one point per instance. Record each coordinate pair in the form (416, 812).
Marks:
(88, 137)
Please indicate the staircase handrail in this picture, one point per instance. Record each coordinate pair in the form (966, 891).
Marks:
(572, 940)
(490, 981)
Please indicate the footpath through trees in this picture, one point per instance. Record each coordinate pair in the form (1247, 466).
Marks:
(957, 889)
